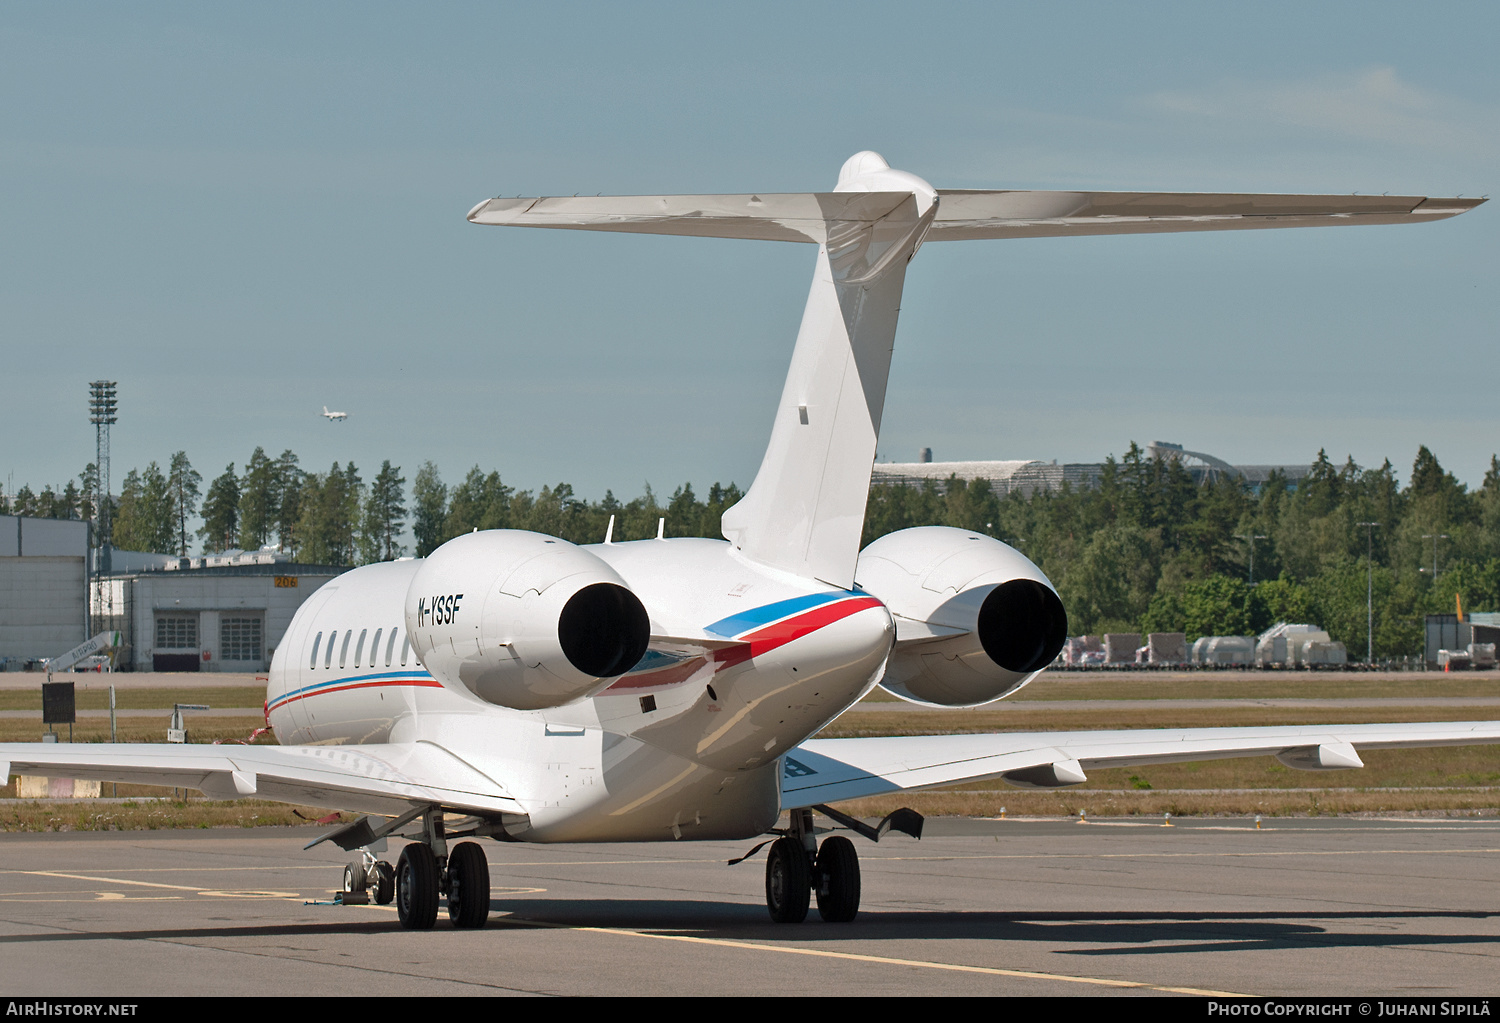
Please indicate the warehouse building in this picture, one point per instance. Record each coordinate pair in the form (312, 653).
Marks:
(224, 612)
(1027, 477)
(43, 588)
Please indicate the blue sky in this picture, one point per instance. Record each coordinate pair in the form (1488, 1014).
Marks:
(245, 212)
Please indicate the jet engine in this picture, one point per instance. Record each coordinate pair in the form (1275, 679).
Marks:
(975, 620)
(523, 620)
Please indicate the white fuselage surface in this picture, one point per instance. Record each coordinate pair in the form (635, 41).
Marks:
(687, 744)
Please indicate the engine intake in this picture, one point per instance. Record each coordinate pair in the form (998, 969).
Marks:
(524, 620)
(975, 620)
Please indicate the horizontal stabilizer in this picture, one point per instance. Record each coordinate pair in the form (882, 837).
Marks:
(776, 217)
(965, 214)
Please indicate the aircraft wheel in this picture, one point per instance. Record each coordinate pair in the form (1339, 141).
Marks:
(354, 877)
(788, 884)
(838, 880)
(385, 883)
(417, 887)
(468, 886)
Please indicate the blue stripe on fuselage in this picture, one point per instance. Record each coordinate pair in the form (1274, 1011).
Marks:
(756, 617)
(293, 694)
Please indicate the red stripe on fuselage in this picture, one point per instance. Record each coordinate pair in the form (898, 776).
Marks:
(424, 683)
(781, 633)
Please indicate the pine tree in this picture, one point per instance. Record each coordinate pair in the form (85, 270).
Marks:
(221, 509)
(288, 494)
(429, 498)
(184, 482)
(258, 509)
(385, 516)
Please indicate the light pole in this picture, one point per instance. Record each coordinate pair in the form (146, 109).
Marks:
(1252, 537)
(1369, 590)
(1434, 537)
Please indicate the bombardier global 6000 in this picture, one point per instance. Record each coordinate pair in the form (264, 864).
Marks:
(517, 687)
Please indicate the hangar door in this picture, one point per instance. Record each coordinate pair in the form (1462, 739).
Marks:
(176, 646)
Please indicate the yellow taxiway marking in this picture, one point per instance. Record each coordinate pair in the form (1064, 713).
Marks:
(925, 964)
(227, 893)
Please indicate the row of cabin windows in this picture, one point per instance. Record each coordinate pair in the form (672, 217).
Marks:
(359, 648)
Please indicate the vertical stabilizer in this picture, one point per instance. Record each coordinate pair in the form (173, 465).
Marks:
(805, 511)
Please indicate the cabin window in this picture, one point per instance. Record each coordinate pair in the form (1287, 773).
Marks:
(390, 648)
(328, 657)
(312, 662)
(405, 646)
(344, 649)
(359, 648)
(375, 646)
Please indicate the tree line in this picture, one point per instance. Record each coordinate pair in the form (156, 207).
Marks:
(1145, 550)
(335, 518)
(1150, 550)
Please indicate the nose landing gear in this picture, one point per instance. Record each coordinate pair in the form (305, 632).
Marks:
(366, 879)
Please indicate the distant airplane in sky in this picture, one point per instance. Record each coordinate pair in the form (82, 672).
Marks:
(336, 417)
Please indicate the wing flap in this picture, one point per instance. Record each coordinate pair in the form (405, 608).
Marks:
(965, 214)
(830, 770)
(379, 779)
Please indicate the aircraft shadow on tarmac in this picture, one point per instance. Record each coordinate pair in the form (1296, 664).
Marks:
(1117, 933)
(1122, 933)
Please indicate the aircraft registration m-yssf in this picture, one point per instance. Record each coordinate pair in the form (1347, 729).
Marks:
(518, 687)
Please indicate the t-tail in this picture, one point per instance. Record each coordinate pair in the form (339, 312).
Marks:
(804, 512)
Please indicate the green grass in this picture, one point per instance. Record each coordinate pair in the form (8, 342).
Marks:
(1245, 685)
(96, 697)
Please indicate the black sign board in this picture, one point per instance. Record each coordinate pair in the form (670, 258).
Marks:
(57, 703)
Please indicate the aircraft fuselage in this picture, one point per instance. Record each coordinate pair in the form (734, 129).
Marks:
(686, 745)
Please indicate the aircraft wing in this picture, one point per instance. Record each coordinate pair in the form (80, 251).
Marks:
(380, 779)
(982, 213)
(831, 770)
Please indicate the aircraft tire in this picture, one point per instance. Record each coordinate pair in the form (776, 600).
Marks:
(417, 888)
(788, 881)
(468, 886)
(838, 880)
(385, 883)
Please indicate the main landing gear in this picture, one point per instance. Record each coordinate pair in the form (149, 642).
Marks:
(797, 868)
(426, 871)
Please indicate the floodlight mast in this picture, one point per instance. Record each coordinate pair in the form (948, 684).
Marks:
(1370, 528)
(103, 413)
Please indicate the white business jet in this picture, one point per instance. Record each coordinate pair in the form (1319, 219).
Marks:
(334, 417)
(517, 687)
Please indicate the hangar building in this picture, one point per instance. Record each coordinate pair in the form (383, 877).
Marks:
(224, 612)
(43, 588)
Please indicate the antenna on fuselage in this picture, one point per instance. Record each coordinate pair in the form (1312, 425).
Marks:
(661, 529)
(609, 530)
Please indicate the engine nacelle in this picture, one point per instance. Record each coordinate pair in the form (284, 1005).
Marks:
(937, 581)
(523, 620)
